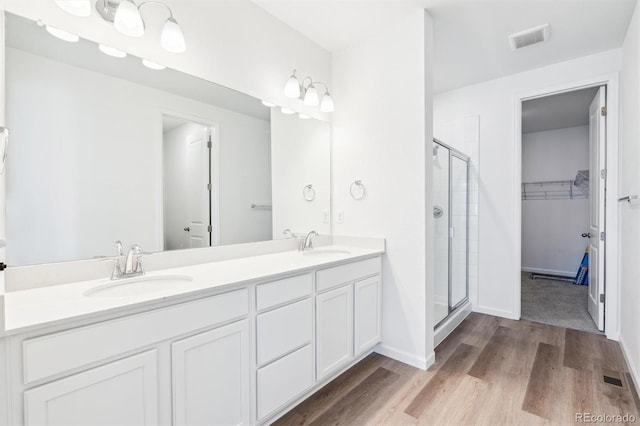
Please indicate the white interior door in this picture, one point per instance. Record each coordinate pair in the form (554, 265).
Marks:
(597, 185)
(198, 187)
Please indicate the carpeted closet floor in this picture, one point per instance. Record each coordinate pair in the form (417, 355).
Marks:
(559, 303)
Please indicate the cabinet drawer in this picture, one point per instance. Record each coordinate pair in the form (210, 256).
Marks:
(282, 291)
(282, 381)
(332, 277)
(284, 329)
(59, 352)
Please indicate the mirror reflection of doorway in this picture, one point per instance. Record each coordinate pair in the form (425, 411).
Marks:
(188, 180)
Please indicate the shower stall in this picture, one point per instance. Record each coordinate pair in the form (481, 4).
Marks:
(451, 231)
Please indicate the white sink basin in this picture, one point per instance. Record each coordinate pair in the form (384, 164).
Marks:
(324, 252)
(138, 286)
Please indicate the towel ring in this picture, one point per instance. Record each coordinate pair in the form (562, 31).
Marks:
(309, 193)
(357, 190)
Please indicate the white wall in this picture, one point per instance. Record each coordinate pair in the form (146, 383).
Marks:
(52, 106)
(381, 127)
(301, 156)
(551, 241)
(629, 175)
(498, 199)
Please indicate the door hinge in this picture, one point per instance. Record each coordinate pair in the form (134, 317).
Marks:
(602, 298)
(603, 173)
(208, 187)
(603, 111)
(602, 236)
(209, 144)
(209, 228)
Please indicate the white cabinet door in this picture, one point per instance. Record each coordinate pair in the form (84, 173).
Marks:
(211, 381)
(124, 392)
(367, 324)
(334, 322)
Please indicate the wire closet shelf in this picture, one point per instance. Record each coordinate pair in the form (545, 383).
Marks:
(577, 188)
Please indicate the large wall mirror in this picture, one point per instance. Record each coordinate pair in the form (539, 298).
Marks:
(104, 148)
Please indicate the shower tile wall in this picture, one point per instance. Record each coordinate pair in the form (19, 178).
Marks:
(464, 135)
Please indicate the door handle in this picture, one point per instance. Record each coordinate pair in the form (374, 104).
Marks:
(586, 235)
(186, 228)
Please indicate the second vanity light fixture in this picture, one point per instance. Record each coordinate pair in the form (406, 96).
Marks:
(126, 18)
(307, 90)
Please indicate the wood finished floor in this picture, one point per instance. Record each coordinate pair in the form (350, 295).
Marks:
(489, 371)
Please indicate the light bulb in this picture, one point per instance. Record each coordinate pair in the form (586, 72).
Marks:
(153, 65)
(311, 96)
(75, 7)
(287, 111)
(292, 88)
(62, 35)
(111, 51)
(303, 116)
(268, 104)
(172, 39)
(327, 103)
(128, 20)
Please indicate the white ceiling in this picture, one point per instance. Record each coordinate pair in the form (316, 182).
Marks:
(471, 43)
(560, 111)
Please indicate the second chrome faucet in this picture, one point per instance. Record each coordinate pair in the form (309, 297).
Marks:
(132, 266)
(307, 242)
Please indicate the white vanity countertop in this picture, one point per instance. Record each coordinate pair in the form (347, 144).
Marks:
(51, 305)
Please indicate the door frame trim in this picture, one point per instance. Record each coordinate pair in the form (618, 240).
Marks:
(611, 284)
(214, 130)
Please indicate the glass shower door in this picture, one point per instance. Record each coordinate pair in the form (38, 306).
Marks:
(441, 231)
(450, 218)
(459, 240)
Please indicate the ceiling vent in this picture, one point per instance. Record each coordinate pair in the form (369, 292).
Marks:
(528, 37)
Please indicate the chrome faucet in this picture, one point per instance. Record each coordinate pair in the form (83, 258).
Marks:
(307, 243)
(288, 233)
(133, 264)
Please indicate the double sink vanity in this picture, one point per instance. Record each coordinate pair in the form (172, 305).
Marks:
(236, 341)
(234, 317)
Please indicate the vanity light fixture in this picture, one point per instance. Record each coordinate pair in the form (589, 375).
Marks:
(62, 35)
(287, 111)
(292, 87)
(307, 90)
(127, 19)
(268, 104)
(153, 65)
(75, 7)
(111, 51)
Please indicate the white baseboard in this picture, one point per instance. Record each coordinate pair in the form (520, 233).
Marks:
(405, 357)
(451, 323)
(495, 312)
(635, 374)
(567, 274)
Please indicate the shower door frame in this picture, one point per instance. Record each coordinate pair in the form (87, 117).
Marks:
(451, 309)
